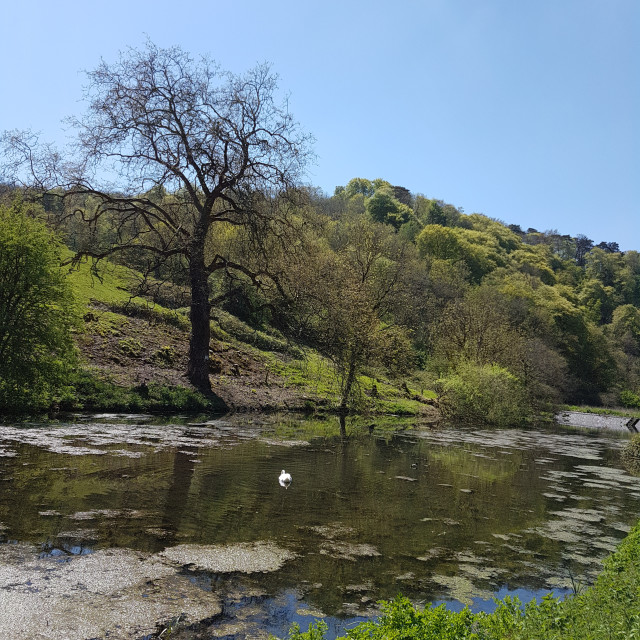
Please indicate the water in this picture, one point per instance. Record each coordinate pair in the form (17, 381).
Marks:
(449, 515)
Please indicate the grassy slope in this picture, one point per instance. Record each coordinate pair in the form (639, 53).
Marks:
(136, 355)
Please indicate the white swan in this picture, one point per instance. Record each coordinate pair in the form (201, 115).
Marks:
(284, 479)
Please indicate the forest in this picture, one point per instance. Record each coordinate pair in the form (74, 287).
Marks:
(503, 323)
(205, 204)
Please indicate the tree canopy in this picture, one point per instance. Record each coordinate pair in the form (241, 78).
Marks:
(37, 312)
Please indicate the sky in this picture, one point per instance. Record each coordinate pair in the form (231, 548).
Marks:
(526, 111)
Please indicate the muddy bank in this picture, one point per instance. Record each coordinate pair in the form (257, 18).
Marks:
(115, 593)
(598, 421)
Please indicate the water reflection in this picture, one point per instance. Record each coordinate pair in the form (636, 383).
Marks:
(375, 509)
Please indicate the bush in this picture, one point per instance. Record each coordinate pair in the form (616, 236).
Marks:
(483, 394)
(607, 610)
(629, 399)
(90, 392)
(37, 313)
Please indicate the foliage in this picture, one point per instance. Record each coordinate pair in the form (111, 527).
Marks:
(479, 251)
(373, 277)
(483, 394)
(314, 632)
(436, 212)
(345, 291)
(89, 391)
(631, 454)
(37, 312)
(629, 399)
(383, 207)
(609, 609)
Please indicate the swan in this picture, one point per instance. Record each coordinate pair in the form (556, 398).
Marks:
(284, 479)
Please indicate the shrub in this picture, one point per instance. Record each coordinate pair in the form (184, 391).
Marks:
(485, 394)
(629, 399)
(131, 347)
(37, 313)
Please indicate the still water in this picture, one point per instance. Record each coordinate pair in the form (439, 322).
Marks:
(447, 515)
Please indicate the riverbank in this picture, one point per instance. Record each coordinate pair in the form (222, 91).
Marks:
(598, 421)
(608, 609)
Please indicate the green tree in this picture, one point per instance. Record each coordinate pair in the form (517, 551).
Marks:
(480, 252)
(483, 393)
(384, 207)
(37, 312)
(359, 185)
(625, 328)
(436, 212)
(345, 290)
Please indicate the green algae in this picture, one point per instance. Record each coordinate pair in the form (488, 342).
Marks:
(250, 557)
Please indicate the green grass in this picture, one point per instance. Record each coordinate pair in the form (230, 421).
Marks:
(318, 376)
(92, 392)
(226, 326)
(609, 610)
(604, 411)
(110, 284)
(306, 372)
(312, 372)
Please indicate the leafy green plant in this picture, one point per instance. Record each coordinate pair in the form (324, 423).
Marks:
(629, 399)
(315, 631)
(37, 312)
(484, 394)
(131, 347)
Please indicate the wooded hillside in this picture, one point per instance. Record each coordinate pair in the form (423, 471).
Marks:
(503, 323)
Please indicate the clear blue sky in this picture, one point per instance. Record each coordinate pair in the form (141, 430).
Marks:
(527, 111)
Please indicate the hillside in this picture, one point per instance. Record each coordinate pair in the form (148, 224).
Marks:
(371, 300)
(133, 346)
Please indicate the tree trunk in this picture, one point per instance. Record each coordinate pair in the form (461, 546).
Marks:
(198, 368)
(351, 376)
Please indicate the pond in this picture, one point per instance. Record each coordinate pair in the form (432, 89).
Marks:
(440, 515)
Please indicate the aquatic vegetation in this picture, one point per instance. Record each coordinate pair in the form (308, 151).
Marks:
(243, 557)
(113, 593)
(631, 454)
(353, 519)
(609, 609)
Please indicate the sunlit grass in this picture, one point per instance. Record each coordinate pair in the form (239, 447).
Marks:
(605, 411)
(109, 283)
(304, 371)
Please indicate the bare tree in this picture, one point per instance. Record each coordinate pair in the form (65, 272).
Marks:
(169, 151)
